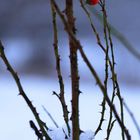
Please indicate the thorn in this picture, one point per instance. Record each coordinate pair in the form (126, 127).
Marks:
(19, 94)
(8, 69)
(81, 131)
(104, 119)
(79, 91)
(71, 118)
(64, 11)
(54, 93)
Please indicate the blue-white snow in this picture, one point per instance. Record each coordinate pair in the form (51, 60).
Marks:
(15, 114)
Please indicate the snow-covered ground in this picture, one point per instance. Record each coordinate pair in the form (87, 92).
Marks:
(15, 115)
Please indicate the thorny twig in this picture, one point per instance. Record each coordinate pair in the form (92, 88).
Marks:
(114, 76)
(61, 96)
(34, 127)
(107, 33)
(74, 70)
(91, 69)
(106, 71)
(118, 35)
(74, 46)
(22, 93)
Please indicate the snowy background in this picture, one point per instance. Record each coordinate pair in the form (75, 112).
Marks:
(15, 114)
(25, 30)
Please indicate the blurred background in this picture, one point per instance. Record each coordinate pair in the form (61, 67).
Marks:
(26, 33)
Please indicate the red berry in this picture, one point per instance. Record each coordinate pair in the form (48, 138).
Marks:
(92, 2)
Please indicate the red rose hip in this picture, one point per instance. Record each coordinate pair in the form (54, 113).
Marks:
(92, 2)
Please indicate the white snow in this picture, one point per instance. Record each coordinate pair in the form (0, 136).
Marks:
(15, 115)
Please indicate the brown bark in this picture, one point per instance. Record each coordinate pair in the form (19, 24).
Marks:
(74, 72)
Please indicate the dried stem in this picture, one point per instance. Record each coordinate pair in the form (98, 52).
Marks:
(114, 76)
(75, 46)
(118, 35)
(58, 69)
(112, 64)
(103, 104)
(74, 71)
(34, 127)
(92, 25)
(77, 43)
(22, 93)
(121, 107)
